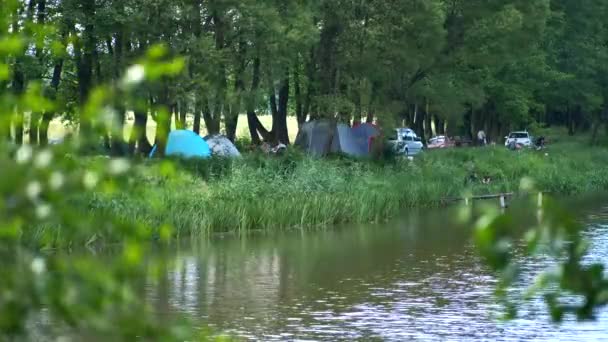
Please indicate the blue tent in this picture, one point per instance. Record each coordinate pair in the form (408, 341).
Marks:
(349, 143)
(364, 133)
(186, 144)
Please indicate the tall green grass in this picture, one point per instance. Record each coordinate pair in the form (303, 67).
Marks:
(273, 193)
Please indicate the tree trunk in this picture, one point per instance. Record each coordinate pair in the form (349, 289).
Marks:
(18, 87)
(43, 128)
(467, 123)
(272, 98)
(327, 47)
(370, 110)
(119, 145)
(139, 135)
(279, 122)
(182, 110)
(310, 71)
(239, 88)
(439, 126)
(369, 118)
(196, 126)
(197, 29)
(212, 118)
(255, 126)
(107, 141)
(41, 19)
(211, 122)
(232, 121)
(163, 120)
(33, 129)
(601, 118)
(18, 81)
(358, 114)
(84, 63)
(300, 116)
(596, 127)
(252, 118)
(571, 121)
(36, 116)
(138, 140)
(428, 129)
(419, 124)
(180, 116)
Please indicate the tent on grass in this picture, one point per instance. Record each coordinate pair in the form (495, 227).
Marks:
(186, 144)
(365, 134)
(316, 137)
(322, 137)
(349, 143)
(222, 147)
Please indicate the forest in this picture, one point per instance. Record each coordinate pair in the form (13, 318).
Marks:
(433, 65)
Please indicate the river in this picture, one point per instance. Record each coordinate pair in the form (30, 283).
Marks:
(417, 278)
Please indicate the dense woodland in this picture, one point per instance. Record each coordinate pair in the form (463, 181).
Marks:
(462, 65)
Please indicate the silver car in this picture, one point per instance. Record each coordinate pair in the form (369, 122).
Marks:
(406, 142)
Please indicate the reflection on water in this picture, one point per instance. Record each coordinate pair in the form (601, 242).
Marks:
(416, 279)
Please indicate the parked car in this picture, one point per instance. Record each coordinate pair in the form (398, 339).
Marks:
(440, 141)
(405, 141)
(515, 139)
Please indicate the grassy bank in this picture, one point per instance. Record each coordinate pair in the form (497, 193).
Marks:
(260, 192)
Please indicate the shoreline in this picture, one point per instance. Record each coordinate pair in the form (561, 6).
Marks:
(268, 194)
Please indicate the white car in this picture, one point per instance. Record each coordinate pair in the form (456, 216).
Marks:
(406, 142)
(519, 138)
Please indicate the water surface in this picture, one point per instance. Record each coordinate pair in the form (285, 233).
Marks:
(417, 278)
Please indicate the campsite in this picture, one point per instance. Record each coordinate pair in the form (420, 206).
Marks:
(303, 170)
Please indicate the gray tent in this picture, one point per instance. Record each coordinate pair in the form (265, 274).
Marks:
(348, 143)
(322, 137)
(316, 137)
(222, 147)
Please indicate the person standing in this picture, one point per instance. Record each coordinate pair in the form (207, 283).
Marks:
(481, 138)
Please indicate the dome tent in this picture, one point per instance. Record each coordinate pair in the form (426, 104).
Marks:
(186, 144)
(222, 147)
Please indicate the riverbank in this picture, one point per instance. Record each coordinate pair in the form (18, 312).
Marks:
(275, 193)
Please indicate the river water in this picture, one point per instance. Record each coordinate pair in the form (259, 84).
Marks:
(417, 278)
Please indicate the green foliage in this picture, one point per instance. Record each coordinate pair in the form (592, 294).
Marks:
(569, 286)
(43, 273)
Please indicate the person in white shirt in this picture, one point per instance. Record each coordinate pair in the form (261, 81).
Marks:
(481, 138)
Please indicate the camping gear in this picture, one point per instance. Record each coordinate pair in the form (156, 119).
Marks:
(322, 137)
(280, 148)
(316, 137)
(269, 149)
(222, 147)
(186, 144)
